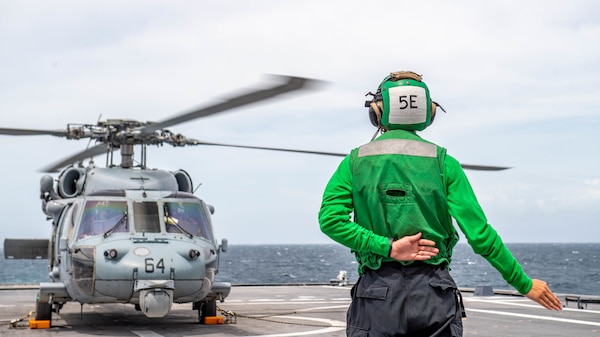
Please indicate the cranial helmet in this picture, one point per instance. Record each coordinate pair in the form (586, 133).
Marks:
(402, 101)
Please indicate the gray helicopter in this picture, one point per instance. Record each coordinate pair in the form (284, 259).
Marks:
(126, 233)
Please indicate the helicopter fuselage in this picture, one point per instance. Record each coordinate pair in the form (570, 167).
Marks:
(130, 236)
(126, 233)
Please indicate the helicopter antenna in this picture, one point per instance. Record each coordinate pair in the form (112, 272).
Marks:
(197, 187)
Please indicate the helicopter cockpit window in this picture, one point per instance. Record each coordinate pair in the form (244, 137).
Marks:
(100, 216)
(187, 217)
(145, 217)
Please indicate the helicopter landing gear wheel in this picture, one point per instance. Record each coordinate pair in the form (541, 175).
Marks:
(43, 311)
(206, 309)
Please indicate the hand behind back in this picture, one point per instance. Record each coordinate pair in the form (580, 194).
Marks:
(413, 248)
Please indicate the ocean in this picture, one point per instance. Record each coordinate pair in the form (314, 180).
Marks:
(569, 268)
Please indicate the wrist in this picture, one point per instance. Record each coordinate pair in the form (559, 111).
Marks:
(391, 243)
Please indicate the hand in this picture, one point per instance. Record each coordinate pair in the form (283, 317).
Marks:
(541, 293)
(413, 248)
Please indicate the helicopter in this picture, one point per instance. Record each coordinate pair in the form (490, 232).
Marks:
(126, 233)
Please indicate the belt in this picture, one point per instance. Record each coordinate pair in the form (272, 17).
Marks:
(415, 264)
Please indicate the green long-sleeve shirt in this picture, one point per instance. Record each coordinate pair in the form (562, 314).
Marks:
(368, 239)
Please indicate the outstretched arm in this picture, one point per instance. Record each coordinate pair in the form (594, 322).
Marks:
(413, 248)
(541, 293)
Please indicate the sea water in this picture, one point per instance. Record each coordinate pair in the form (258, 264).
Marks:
(569, 268)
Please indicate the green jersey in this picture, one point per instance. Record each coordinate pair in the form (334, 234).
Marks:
(400, 185)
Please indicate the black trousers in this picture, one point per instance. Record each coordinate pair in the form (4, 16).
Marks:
(418, 300)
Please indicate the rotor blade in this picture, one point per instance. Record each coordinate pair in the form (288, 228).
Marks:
(272, 149)
(335, 154)
(91, 152)
(291, 84)
(30, 132)
(483, 168)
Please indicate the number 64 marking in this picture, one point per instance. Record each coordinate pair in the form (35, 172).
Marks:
(150, 265)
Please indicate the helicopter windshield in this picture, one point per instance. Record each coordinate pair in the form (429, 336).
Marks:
(187, 217)
(145, 215)
(100, 216)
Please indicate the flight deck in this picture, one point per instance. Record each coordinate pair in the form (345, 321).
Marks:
(291, 310)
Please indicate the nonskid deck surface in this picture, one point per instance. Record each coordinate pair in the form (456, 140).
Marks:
(288, 310)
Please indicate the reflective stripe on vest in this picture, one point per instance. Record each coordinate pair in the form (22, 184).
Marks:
(398, 146)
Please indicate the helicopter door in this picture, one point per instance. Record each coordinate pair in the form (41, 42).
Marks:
(61, 240)
(145, 217)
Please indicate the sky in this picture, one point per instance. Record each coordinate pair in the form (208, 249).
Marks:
(518, 79)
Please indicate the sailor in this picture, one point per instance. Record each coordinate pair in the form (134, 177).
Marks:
(401, 188)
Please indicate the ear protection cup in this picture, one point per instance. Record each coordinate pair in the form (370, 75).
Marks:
(434, 106)
(375, 113)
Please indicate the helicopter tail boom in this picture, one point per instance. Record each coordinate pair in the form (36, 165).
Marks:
(26, 249)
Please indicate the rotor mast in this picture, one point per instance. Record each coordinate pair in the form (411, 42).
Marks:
(127, 153)
(127, 156)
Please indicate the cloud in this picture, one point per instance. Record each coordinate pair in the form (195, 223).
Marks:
(519, 82)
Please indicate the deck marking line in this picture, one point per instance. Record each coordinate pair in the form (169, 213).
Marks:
(532, 305)
(146, 333)
(336, 326)
(547, 318)
(282, 302)
(323, 308)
